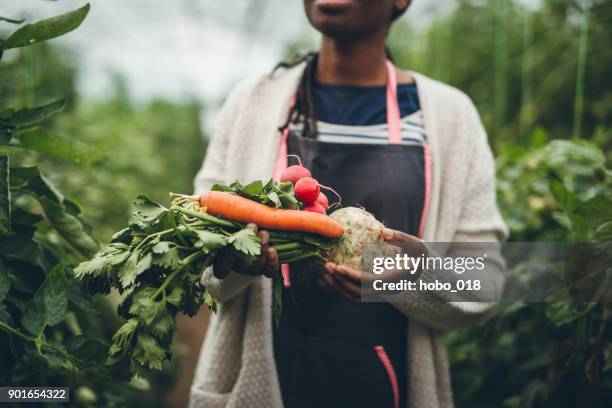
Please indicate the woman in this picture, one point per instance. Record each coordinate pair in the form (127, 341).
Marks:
(410, 150)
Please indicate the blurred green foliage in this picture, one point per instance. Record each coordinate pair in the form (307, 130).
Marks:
(518, 66)
(521, 69)
(549, 354)
(153, 149)
(100, 154)
(124, 149)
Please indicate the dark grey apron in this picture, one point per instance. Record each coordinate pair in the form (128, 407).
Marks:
(330, 352)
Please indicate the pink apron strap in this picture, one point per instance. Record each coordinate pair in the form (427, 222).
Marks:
(281, 156)
(281, 164)
(393, 112)
(427, 198)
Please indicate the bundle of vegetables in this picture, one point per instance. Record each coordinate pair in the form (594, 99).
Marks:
(156, 262)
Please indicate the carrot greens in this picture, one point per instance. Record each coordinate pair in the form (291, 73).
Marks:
(156, 264)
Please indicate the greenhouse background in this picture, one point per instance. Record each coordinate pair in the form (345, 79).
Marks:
(142, 85)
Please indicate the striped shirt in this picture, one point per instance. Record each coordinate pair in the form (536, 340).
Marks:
(411, 126)
(357, 115)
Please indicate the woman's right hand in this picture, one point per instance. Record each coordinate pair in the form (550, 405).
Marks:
(266, 264)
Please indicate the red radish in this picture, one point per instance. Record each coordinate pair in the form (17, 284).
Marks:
(307, 190)
(315, 207)
(322, 201)
(294, 173)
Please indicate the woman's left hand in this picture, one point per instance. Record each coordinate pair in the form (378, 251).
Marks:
(348, 281)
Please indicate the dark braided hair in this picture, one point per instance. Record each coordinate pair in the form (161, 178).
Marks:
(304, 108)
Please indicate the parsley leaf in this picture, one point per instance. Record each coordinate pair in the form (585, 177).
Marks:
(245, 241)
(148, 352)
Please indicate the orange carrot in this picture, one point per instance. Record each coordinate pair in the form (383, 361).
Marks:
(236, 208)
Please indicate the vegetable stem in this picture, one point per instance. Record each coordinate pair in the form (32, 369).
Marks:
(288, 246)
(296, 258)
(189, 259)
(38, 342)
(16, 332)
(157, 234)
(204, 217)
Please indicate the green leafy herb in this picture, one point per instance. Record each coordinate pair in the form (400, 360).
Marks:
(245, 241)
(158, 261)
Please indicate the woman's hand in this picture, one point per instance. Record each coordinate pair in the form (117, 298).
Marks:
(266, 264)
(348, 281)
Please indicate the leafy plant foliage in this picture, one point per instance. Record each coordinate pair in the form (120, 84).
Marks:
(558, 353)
(43, 312)
(157, 263)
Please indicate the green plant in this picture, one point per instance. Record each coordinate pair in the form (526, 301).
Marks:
(43, 312)
(559, 353)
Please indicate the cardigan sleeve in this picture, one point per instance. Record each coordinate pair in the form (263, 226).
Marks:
(479, 222)
(214, 170)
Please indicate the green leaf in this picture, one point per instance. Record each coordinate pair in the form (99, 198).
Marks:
(6, 133)
(608, 363)
(209, 301)
(48, 306)
(122, 235)
(20, 238)
(90, 354)
(5, 317)
(589, 215)
(148, 352)
(21, 217)
(50, 144)
(146, 211)
(286, 187)
(255, 188)
(123, 336)
(5, 281)
(169, 260)
(245, 241)
(102, 263)
(275, 199)
(562, 195)
(288, 200)
(604, 232)
(5, 197)
(209, 241)
(163, 326)
(221, 187)
(127, 274)
(45, 29)
(147, 310)
(80, 300)
(144, 263)
(162, 247)
(30, 116)
(32, 181)
(70, 227)
(176, 296)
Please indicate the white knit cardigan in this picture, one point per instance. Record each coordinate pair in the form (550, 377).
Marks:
(236, 366)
